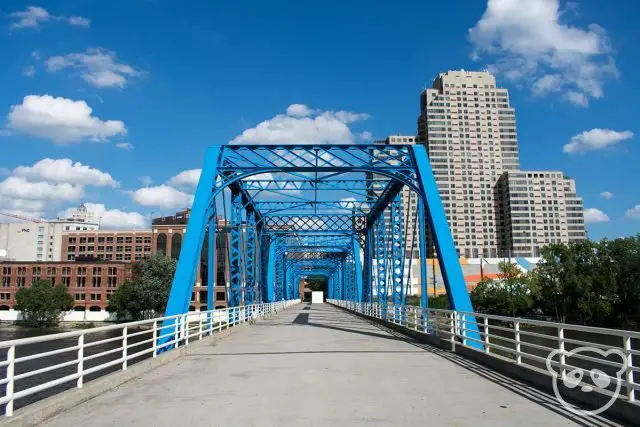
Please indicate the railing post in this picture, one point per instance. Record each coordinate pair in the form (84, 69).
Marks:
(487, 348)
(631, 392)
(185, 328)
(463, 330)
(176, 331)
(155, 339)
(518, 352)
(454, 329)
(80, 359)
(124, 348)
(11, 366)
(562, 359)
(200, 326)
(437, 316)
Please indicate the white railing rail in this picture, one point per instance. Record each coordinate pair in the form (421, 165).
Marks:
(525, 342)
(132, 340)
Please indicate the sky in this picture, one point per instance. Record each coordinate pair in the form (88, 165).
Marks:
(114, 103)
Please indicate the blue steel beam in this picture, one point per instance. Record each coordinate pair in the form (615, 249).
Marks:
(184, 278)
(381, 260)
(235, 249)
(250, 258)
(446, 250)
(397, 250)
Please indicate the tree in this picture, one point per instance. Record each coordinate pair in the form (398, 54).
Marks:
(148, 291)
(510, 295)
(42, 303)
(573, 282)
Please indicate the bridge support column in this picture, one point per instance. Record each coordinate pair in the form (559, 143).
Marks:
(271, 272)
(367, 274)
(211, 267)
(381, 260)
(235, 248)
(250, 259)
(182, 285)
(447, 255)
(397, 251)
(357, 273)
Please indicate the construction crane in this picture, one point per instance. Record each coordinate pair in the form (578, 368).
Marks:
(24, 218)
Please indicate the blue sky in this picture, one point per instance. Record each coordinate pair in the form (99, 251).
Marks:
(136, 90)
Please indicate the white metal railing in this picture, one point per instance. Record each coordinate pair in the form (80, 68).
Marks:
(128, 344)
(525, 342)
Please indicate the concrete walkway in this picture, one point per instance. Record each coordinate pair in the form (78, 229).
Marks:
(320, 366)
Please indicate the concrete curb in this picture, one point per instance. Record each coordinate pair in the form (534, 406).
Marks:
(36, 413)
(541, 380)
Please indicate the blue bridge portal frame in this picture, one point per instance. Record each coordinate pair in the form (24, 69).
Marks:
(333, 211)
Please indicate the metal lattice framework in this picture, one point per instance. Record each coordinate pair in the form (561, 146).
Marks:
(330, 211)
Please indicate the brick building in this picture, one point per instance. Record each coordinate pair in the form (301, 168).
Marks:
(167, 237)
(107, 245)
(89, 283)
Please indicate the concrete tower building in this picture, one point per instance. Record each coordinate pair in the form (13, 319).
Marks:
(469, 129)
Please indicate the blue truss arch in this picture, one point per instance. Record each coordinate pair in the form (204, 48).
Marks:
(288, 211)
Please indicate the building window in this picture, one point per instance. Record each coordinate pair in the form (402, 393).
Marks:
(97, 281)
(176, 245)
(81, 282)
(161, 244)
(79, 297)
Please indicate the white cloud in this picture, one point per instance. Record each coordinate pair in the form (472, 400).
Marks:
(78, 21)
(186, 178)
(33, 16)
(633, 213)
(98, 67)
(299, 110)
(10, 204)
(595, 139)
(318, 127)
(163, 196)
(112, 218)
(146, 180)
(19, 188)
(29, 71)
(365, 136)
(534, 45)
(61, 120)
(64, 170)
(593, 215)
(125, 146)
(607, 195)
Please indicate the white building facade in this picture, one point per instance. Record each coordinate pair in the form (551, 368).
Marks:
(41, 241)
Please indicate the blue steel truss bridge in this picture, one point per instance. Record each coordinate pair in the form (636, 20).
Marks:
(298, 211)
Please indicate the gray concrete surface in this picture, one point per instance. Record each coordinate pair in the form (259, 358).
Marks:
(319, 366)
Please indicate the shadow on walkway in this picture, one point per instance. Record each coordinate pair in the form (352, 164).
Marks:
(529, 392)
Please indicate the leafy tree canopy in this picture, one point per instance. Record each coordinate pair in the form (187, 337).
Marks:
(42, 304)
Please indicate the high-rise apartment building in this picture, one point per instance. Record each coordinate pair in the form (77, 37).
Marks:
(494, 209)
(469, 129)
(537, 208)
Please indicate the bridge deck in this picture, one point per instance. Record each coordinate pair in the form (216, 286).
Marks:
(318, 365)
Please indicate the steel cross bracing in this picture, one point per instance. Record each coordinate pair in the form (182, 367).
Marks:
(295, 211)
